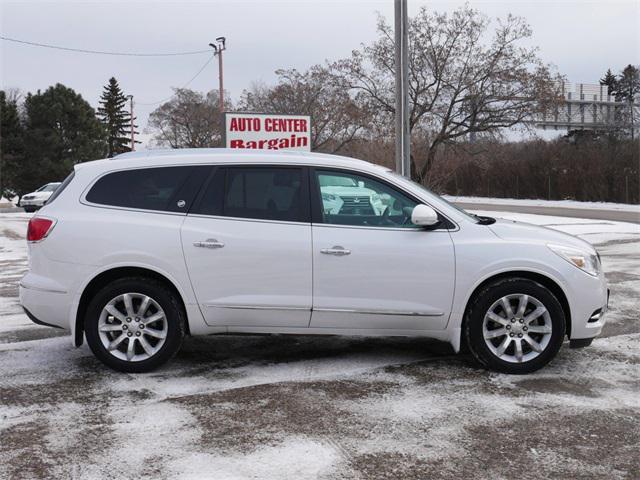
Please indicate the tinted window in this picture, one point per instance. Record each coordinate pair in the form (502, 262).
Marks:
(352, 199)
(146, 188)
(256, 192)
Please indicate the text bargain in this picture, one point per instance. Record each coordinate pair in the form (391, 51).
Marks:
(268, 132)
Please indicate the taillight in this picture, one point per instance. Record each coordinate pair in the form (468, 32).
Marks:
(39, 228)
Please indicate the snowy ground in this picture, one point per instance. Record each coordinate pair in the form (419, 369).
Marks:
(236, 407)
(546, 203)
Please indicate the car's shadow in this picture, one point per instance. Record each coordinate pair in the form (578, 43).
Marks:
(234, 351)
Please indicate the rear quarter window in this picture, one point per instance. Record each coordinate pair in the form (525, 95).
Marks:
(62, 186)
(143, 188)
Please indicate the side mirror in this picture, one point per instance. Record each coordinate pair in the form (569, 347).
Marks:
(424, 216)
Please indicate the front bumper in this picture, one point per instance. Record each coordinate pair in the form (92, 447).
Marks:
(31, 203)
(589, 305)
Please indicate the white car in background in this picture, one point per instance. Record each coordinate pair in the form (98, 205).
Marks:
(135, 252)
(35, 200)
(346, 196)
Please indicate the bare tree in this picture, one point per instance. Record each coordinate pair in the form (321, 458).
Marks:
(336, 118)
(189, 120)
(462, 81)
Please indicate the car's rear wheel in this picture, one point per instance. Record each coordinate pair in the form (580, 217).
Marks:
(134, 324)
(515, 326)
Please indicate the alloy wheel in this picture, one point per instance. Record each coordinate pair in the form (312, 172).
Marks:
(132, 327)
(517, 328)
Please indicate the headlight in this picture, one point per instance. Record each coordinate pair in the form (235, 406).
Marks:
(329, 197)
(375, 198)
(586, 261)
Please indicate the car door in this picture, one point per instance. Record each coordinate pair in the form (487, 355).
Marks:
(247, 246)
(372, 268)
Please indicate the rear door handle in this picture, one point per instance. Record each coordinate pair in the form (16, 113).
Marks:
(336, 250)
(209, 243)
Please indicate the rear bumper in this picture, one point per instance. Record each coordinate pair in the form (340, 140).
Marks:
(37, 321)
(45, 307)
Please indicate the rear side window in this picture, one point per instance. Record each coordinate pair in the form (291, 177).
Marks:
(266, 193)
(56, 193)
(144, 188)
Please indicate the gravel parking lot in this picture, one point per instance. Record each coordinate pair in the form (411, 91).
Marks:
(278, 407)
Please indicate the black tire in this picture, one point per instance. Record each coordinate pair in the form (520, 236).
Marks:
(167, 300)
(482, 303)
(29, 209)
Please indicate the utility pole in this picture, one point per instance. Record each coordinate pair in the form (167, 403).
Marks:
(133, 130)
(403, 136)
(217, 50)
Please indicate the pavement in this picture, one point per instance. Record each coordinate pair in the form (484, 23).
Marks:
(284, 407)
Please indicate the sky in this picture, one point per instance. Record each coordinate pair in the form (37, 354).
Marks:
(582, 38)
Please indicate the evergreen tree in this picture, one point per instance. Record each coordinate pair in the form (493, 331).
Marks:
(627, 91)
(610, 81)
(628, 84)
(61, 129)
(11, 145)
(116, 118)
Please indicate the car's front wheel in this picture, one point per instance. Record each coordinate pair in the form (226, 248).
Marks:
(515, 325)
(134, 324)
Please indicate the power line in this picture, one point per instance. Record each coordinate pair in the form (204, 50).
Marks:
(185, 85)
(98, 52)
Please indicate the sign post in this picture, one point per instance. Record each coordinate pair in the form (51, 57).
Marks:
(262, 131)
(403, 139)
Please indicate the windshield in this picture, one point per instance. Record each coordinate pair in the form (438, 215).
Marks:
(470, 216)
(336, 181)
(49, 187)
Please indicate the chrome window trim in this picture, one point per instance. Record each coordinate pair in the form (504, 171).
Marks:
(372, 227)
(244, 219)
(267, 164)
(131, 209)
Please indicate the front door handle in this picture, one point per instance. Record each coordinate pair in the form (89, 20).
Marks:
(336, 250)
(209, 243)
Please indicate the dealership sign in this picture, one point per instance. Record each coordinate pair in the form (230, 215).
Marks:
(267, 132)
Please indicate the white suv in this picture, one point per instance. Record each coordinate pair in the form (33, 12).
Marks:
(35, 200)
(137, 251)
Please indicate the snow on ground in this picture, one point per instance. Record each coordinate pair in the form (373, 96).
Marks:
(280, 407)
(545, 203)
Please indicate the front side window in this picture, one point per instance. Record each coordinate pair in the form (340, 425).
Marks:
(144, 188)
(353, 199)
(261, 193)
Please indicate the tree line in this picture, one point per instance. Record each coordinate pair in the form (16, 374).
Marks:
(45, 134)
(471, 82)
